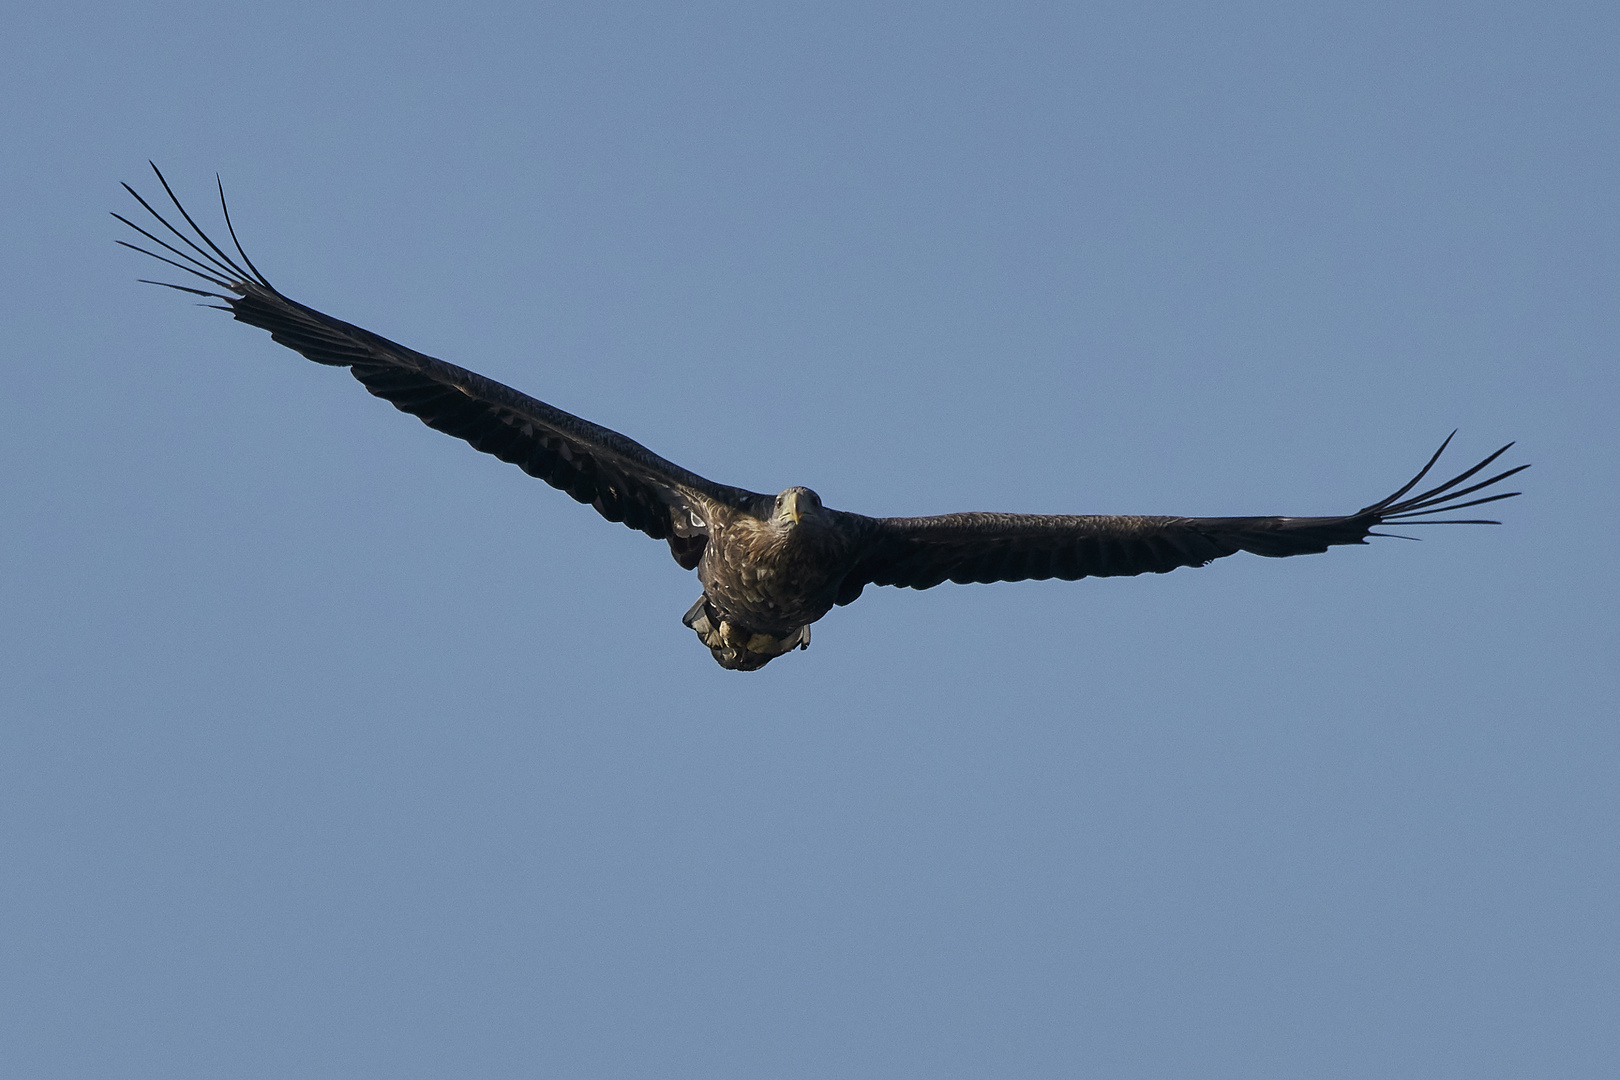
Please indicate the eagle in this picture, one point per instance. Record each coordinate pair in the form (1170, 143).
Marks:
(770, 565)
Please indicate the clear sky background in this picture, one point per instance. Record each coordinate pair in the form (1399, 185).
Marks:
(331, 748)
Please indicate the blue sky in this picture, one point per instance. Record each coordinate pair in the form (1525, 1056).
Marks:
(333, 748)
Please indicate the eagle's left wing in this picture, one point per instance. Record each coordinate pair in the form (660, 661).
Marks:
(920, 553)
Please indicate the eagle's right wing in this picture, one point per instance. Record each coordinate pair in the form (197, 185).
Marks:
(622, 479)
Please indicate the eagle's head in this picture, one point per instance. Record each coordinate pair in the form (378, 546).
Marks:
(794, 505)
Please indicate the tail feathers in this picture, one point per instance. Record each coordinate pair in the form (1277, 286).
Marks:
(736, 648)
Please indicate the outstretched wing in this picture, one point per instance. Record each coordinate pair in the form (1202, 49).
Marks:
(920, 553)
(621, 478)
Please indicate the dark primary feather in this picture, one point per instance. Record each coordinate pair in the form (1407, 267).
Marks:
(920, 553)
(621, 478)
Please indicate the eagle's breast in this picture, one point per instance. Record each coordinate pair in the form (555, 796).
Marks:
(771, 576)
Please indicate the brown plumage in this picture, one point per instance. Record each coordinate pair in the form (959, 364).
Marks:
(769, 565)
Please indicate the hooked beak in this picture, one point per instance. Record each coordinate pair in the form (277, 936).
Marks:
(790, 507)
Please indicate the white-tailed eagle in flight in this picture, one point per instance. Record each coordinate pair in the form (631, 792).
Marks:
(770, 565)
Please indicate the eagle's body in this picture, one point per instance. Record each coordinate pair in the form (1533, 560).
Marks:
(779, 573)
(766, 579)
(769, 565)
